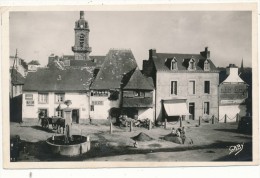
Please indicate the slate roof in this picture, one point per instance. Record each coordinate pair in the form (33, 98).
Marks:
(96, 61)
(45, 79)
(137, 102)
(82, 63)
(118, 62)
(99, 60)
(162, 61)
(16, 77)
(138, 81)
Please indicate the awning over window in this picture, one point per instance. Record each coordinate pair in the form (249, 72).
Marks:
(176, 107)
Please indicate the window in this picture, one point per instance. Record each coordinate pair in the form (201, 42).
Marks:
(206, 108)
(192, 65)
(174, 64)
(206, 65)
(207, 87)
(42, 98)
(138, 94)
(191, 87)
(59, 113)
(173, 87)
(59, 97)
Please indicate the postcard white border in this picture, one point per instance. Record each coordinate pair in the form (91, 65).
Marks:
(175, 7)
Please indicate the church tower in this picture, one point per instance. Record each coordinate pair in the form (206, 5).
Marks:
(81, 47)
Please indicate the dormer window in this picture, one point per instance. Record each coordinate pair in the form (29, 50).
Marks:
(192, 65)
(206, 65)
(174, 65)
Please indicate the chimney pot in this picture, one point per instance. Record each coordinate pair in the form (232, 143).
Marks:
(152, 52)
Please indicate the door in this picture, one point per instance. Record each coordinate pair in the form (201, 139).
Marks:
(192, 111)
(75, 116)
(43, 112)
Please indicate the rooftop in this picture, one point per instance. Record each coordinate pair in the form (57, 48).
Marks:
(162, 61)
(16, 77)
(118, 62)
(45, 79)
(138, 81)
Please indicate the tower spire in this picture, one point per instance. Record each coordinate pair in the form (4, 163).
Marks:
(81, 14)
(242, 66)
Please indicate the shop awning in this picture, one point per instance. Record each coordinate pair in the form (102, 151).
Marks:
(176, 108)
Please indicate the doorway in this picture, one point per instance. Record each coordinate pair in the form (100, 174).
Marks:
(192, 111)
(44, 112)
(75, 116)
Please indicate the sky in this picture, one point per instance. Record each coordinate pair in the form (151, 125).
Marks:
(228, 34)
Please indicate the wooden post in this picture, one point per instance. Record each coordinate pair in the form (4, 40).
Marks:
(199, 120)
(150, 125)
(111, 128)
(165, 123)
(180, 121)
(237, 117)
(131, 126)
(213, 119)
(225, 121)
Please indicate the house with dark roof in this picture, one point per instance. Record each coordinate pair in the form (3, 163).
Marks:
(137, 96)
(186, 85)
(46, 89)
(106, 89)
(233, 93)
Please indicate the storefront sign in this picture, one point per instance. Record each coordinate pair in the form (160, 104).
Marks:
(97, 102)
(29, 96)
(30, 103)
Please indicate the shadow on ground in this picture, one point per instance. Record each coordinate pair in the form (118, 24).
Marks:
(40, 151)
(227, 130)
(37, 127)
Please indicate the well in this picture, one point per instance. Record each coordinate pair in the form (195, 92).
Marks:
(76, 146)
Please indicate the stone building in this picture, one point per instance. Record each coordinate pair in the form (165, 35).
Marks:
(185, 84)
(106, 87)
(233, 92)
(46, 89)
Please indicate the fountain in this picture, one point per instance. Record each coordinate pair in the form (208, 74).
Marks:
(67, 144)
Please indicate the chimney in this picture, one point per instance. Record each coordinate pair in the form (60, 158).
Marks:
(152, 52)
(232, 69)
(205, 53)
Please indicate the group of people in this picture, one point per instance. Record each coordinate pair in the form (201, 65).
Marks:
(180, 132)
